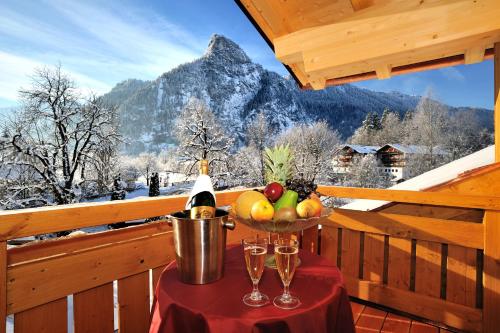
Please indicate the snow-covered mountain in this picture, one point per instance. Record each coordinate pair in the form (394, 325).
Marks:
(237, 89)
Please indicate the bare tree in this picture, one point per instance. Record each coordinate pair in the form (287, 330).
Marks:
(364, 172)
(259, 135)
(246, 168)
(390, 131)
(201, 137)
(56, 132)
(428, 128)
(312, 147)
(128, 168)
(465, 135)
(147, 163)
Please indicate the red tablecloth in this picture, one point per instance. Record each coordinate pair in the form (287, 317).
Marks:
(217, 307)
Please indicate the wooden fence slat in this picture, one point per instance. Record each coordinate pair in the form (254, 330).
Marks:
(63, 246)
(51, 317)
(412, 227)
(35, 221)
(399, 263)
(42, 281)
(452, 314)
(3, 286)
(491, 272)
(134, 303)
(310, 239)
(94, 310)
(329, 243)
(428, 268)
(461, 275)
(156, 276)
(350, 252)
(426, 198)
(439, 212)
(373, 265)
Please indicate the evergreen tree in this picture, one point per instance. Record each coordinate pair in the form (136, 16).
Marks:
(154, 185)
(118, 193)
(154, 191)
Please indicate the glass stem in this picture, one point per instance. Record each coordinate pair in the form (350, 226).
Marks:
(286, 292)
(255, 291)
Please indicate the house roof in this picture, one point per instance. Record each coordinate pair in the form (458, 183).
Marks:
(361, 149)
(433, 178)
(413, 149)
(326, 42)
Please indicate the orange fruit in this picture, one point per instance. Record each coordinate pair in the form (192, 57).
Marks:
(318, 206)
(305, 209)
(262, 210)
(245, 202)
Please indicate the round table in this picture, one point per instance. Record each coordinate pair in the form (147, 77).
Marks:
(217, 307)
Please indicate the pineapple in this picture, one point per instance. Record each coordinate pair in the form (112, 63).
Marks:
(278, 164)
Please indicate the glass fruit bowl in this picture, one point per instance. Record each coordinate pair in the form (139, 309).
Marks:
(281, 227)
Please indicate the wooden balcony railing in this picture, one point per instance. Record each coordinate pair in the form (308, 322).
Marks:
(435, 268)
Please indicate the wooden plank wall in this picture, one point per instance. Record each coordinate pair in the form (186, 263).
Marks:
(86, 267)
(385, 258)
(388, 259)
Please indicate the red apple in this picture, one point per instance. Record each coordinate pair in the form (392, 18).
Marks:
(273, 191)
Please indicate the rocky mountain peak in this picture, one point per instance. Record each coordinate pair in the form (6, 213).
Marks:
(222, 47)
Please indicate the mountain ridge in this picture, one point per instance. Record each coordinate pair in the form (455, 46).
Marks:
(236, 89)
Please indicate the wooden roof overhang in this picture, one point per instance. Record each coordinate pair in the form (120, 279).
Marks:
(331, 42)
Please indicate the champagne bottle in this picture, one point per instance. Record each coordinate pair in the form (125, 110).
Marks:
(201, 202)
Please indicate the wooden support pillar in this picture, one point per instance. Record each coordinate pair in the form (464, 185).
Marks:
(497, 101)
(3, 286)
(491, 273)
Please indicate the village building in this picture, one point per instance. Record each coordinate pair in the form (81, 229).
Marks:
(393, 159)
(344, 156)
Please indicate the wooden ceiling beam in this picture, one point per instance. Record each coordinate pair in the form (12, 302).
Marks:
(407, 69)
(426, 25)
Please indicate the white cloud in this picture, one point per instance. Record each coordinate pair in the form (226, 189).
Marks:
(133, 36)
(452, 74)
(97, 45)
(15, 72)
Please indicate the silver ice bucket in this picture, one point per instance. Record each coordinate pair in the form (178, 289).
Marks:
(200, 246)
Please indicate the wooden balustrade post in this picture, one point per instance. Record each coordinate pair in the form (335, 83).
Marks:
(491, 274)
(3, 285)
(497, 101)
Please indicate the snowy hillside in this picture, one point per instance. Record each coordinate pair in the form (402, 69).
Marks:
(237, 89)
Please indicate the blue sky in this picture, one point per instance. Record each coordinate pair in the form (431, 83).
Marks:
(101, 43)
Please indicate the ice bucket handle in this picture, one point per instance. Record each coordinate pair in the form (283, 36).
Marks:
(169, 218)
(229, 224)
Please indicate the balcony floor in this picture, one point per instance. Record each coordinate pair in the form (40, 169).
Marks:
(369, 320)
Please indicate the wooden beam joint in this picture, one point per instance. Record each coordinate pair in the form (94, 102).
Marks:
(383, 72)
(474, 54)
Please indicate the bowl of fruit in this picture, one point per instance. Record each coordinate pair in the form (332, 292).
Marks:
(280, 209)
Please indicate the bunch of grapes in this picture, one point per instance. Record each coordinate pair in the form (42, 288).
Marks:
(303, 187)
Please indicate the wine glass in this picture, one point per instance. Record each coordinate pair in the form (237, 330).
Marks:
(286, 252)
(255, 255)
